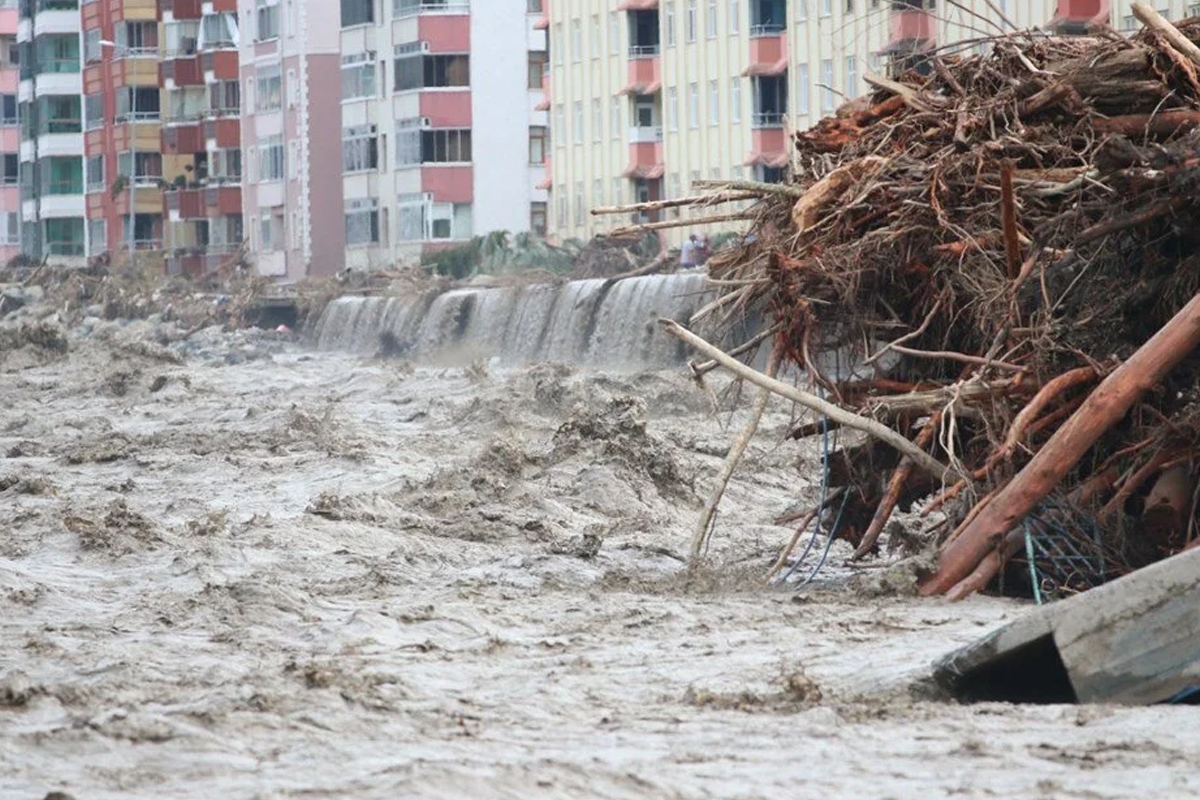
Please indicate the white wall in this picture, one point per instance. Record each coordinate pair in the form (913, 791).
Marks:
(500, 116)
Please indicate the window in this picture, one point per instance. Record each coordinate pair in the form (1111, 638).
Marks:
(556, 52)
(614, 33)
(266, 238)
(597, 121)
(735, 99)
(97, 232)
(226, 165)
(138, 102)
(218, 30)
(597, 193)
(594, 33)
(714, 103)
(362, 221)
(579, 202)
(537, 69)
(10, 230)
(827, 85)
(357, 12)
(148, 167)
(826, 8)
(669, 17)
(802, 88)
(360, 148)
(8, 110)
(851, 78)
(415, 70)
(270, 161)
(225, 98)
(533, 6)
(537, 218)
(577, 121)
(95, 174)
(615, 117)
(12, 170)
(710, 20)
(672, 109)
(690, 22)
(560, 124)
(735, 17)
(538, 144)
(562, 210)
(266, 20)
(91, 45)
(59, 114)
(293, 159)
(64, 236)
(136, 37)
(358, 75)
(441, 145)
(268, 89)
(694, 105)
(617, 193)
(61, 175)
(802, 10)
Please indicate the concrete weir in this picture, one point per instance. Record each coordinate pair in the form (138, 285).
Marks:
(590, 322)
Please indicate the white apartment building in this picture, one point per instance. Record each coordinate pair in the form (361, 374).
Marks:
(648, 96)
(417, 119)
(49, 100)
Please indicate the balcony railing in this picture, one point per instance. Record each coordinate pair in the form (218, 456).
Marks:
(58, 66)
(644, 50)
(73, 186)
(767, 119)
(60, 126)
(136, 52)
(645, 133)
(767, 29)
(65, 248)
(402, 9)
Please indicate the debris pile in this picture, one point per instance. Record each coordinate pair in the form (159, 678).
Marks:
(1005, 251)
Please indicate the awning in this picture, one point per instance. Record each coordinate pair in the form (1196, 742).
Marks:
(777, 68)
(649, 172)
(637, 5)
(542, 24)
(777, 160)
(654, 87)
(546, 184)
(542, 106)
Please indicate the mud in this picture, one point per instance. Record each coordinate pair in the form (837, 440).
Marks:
(233, 568)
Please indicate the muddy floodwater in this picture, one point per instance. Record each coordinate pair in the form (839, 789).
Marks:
(234, 568)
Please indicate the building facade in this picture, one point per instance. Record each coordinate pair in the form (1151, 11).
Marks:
(49, 104)
(649, 96)
(200, 138)
(10, 134)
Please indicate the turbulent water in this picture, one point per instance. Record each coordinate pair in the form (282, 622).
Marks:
(591, 322)
(234, 568)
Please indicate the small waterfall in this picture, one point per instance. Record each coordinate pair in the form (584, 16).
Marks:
(582, 322)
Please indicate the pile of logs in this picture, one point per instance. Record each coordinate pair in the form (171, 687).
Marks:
(1006, 250)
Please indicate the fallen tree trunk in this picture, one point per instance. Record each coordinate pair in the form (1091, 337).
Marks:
(1106, 406)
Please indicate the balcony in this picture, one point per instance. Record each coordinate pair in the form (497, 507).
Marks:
(909, 24)
(204, 201)
(767, 119)
(644, 50)
(401, 9)
(646, 134)
(767, 18)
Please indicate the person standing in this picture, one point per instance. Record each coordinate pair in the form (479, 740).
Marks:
(687, 253)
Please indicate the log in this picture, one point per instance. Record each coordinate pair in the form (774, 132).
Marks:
(1105, 406)
(1154, 21)
(1161, 124)
(1008, 221)
(836, 413)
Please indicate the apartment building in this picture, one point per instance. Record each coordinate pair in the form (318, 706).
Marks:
(10, 134)
(651, 95)
(122, 109)
(49, 104)
(201, 142)
(358, 126)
